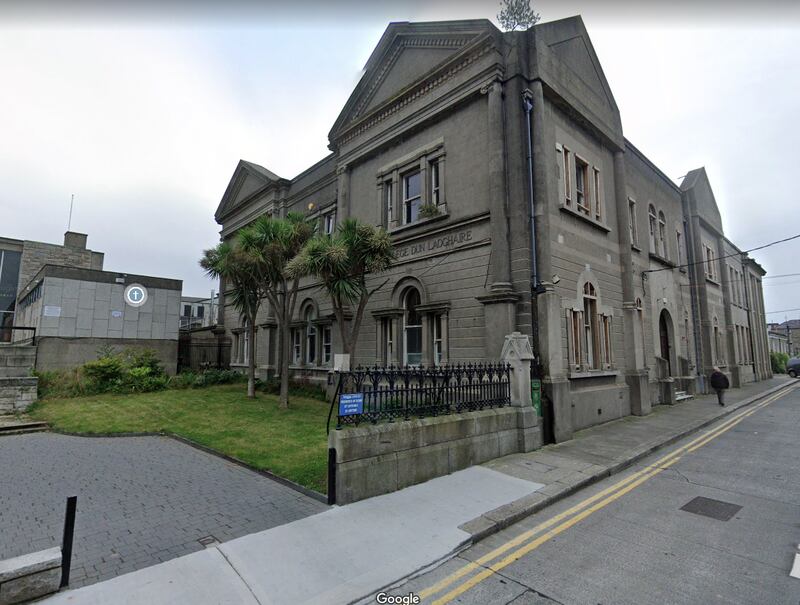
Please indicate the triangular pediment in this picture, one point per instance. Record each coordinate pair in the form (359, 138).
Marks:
(406, 54)
(705, 204)
(569, 41)
(248, 179)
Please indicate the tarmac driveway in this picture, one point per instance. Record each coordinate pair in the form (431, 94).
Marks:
(141, 500)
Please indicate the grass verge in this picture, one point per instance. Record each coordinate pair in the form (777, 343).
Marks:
(290, 443)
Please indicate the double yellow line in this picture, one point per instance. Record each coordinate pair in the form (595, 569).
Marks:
(533, 538)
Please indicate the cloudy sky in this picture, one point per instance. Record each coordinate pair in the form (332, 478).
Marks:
(143, 112)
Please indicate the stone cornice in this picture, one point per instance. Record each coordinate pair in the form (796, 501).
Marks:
(460, 61)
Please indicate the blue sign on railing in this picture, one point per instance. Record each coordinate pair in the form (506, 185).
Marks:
(351, 403)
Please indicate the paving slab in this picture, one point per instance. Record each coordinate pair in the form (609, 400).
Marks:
(338, 556)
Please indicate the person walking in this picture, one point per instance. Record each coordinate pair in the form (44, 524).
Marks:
(719, 382)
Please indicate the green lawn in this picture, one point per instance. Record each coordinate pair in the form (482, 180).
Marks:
(290, 443)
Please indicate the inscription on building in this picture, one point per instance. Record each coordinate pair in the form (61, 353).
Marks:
(439, 243)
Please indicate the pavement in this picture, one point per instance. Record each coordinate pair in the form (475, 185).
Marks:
(710, 519)
(141, 500)
(346, 554)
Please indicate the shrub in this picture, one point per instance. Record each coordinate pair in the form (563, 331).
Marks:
(143, 358)
(778, 362)
(104, 374)
(143, 379)
(429, 210)
(61, 383)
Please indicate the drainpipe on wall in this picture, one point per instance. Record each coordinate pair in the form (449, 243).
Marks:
(527, 104)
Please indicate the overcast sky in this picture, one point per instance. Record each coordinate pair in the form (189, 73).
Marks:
(144, 112)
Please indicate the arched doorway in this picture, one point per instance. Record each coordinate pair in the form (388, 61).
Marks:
(665, 334)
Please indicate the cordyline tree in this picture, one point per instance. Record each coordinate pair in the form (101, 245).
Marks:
(243, 282)
(271, 243)
(342, 262)
(517, 14)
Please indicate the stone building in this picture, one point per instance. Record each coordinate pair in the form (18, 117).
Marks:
(498, 164)
(76, 308)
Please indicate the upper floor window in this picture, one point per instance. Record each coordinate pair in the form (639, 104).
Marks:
(711, 263)
(413, 187)
(565, 153)
(597, 192)
(581, 185)
(632, 222)
(435, 184)
(651, 217)
(679, 245)
(662, 236)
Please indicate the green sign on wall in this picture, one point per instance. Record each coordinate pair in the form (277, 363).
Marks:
(536, 395)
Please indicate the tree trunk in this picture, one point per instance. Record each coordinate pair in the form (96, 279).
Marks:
(251, 359)
(284, 369)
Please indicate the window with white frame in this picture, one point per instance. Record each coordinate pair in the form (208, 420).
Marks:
(679, 246)
(438, 340)
(435, 197)
(388, 200)
(632, 222)
(662, 235)
(412, 196)
(329, 223)
(311, 336)
(387, 334)
(326, 344)
(651, 218)
(412, 328)
(246, 342)
(297, 347)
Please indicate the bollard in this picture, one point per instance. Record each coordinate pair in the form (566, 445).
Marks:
(66, 542)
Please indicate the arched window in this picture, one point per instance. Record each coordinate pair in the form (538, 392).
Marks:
(591, 336)
(651, 215)
(662, 235)
(311, 336)
(412, 327)
(590, 333)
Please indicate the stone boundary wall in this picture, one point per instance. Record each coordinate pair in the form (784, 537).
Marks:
(57, 353)
(18, 389)
(377, 459)
(30, 576)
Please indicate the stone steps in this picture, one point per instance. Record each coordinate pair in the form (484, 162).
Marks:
(683, 396)
(21, 428)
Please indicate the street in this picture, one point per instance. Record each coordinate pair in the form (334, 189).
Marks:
(631, 539)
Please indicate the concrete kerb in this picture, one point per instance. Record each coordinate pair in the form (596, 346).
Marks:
(265, 473)
(496, 520)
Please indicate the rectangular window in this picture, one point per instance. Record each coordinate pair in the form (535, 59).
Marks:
(711, 269)
(326, 344)
(387, 329)
(680, 247)
(187, 310)
(296, 348)
(632, 222)
(581, 183)
(567, 178)
(575, 327)
(330, 223)
(598, 195)
(606, 324)
(437, 340)
(592, 334)
(435, 189)
(387, 201)
(201, 311)
(412, 196)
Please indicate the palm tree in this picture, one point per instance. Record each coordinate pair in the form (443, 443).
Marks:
(342, 262)
(272, 243)
(242, 278)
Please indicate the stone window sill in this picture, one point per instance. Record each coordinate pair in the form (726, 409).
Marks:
(584, 217)
(420, 222)
(662, 260)
(593, 374)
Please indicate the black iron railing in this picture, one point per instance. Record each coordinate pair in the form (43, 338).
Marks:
(387, 393)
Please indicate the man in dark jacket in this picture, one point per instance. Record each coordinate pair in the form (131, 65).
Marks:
(719, 382)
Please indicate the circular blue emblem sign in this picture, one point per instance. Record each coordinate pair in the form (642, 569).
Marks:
(135, 295)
